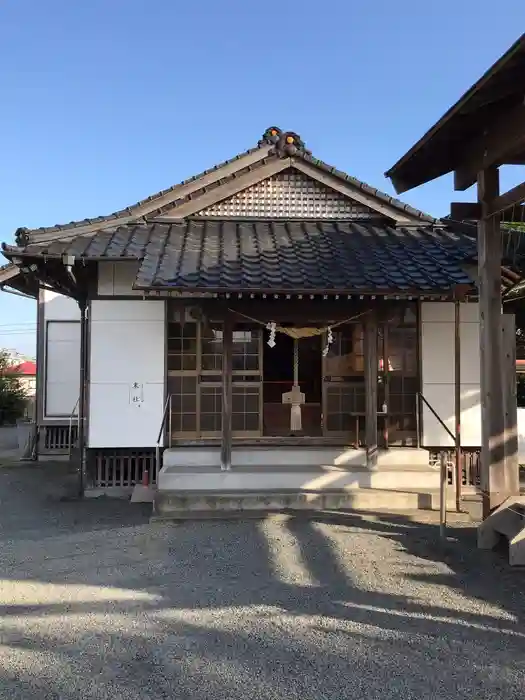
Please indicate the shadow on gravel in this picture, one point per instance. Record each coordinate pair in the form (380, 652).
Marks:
(34, 503)
(484, 575)
(199, 610)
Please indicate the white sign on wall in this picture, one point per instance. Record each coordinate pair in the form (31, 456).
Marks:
(136, 394)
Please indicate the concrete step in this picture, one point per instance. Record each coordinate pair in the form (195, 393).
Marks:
(284, 456)
(174, 505)
(295, 477)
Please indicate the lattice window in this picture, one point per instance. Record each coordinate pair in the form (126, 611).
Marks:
(289, 194)
(195, 364)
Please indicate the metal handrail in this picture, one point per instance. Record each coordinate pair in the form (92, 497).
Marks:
(443, 465)
(165, 412)
(420, 397)
(70, 430)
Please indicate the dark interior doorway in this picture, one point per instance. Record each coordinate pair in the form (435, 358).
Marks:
(278, 379)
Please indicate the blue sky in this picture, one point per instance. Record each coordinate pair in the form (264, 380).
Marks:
(105, 102)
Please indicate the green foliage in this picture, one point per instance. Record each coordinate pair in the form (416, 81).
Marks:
(12, 397)
(514, 225)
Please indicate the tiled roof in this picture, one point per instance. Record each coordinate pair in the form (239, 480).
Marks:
(161, 202)
(263, 255)
(7, 272)
(303, 256)
(372, 191)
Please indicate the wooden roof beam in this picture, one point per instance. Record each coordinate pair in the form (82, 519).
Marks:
(501, 142)
(513, 198)
(471, 211)
(465, 211)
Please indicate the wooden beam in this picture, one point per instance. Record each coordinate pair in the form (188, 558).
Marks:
(457, 401)
(370, 352)
(462, 211)
(507, 201)
(82, 402)
(491, 356)
(508, 380)
(346, 189)
(228, 189)
(497, 145)
(227, 367)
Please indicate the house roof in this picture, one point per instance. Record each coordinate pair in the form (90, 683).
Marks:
(26, 368)
(275, 151)
(441, 149)
(7, 273)
(304, 256)
(271, 255)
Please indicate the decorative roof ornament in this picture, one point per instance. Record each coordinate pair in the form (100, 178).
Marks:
(22, 237)
(285, 143)
(270, 136)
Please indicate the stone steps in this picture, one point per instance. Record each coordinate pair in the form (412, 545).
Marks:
(177, 505)
(247, 478)
(265, 456)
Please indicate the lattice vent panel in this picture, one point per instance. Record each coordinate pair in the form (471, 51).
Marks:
(289, 194)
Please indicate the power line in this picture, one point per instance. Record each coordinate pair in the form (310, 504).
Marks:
(15, 325)
(21, 329)
(10, 334)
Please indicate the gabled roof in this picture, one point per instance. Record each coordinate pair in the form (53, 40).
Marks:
(276, 151)
(442, 148)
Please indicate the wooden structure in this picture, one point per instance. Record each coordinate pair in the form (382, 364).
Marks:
(272, 323)
(484, 130)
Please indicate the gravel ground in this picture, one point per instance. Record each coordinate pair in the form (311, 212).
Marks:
(97, 603)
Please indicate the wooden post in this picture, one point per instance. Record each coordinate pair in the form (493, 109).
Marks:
(457, 401)
(370, 353)
(227, 367)
(512, 469)
(493, 469)
(82, 455)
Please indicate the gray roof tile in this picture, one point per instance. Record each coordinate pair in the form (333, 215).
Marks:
(268, 255)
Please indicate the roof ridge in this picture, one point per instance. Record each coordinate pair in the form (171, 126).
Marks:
(275, 143)
(115, 216)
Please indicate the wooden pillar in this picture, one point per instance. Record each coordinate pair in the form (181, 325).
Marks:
(82, 407)
(512, 469)
(370, 357)
(493, 470)
(457, 401)
(227, 367)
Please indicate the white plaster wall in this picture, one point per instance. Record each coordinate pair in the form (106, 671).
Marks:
(127, 347)
(61, 355)
(437, 359)
(62, 369)
(60, 308)
(117, 278)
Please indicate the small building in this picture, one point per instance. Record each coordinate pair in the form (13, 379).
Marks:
(26, 374)
(58, 362)
(280, 327)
